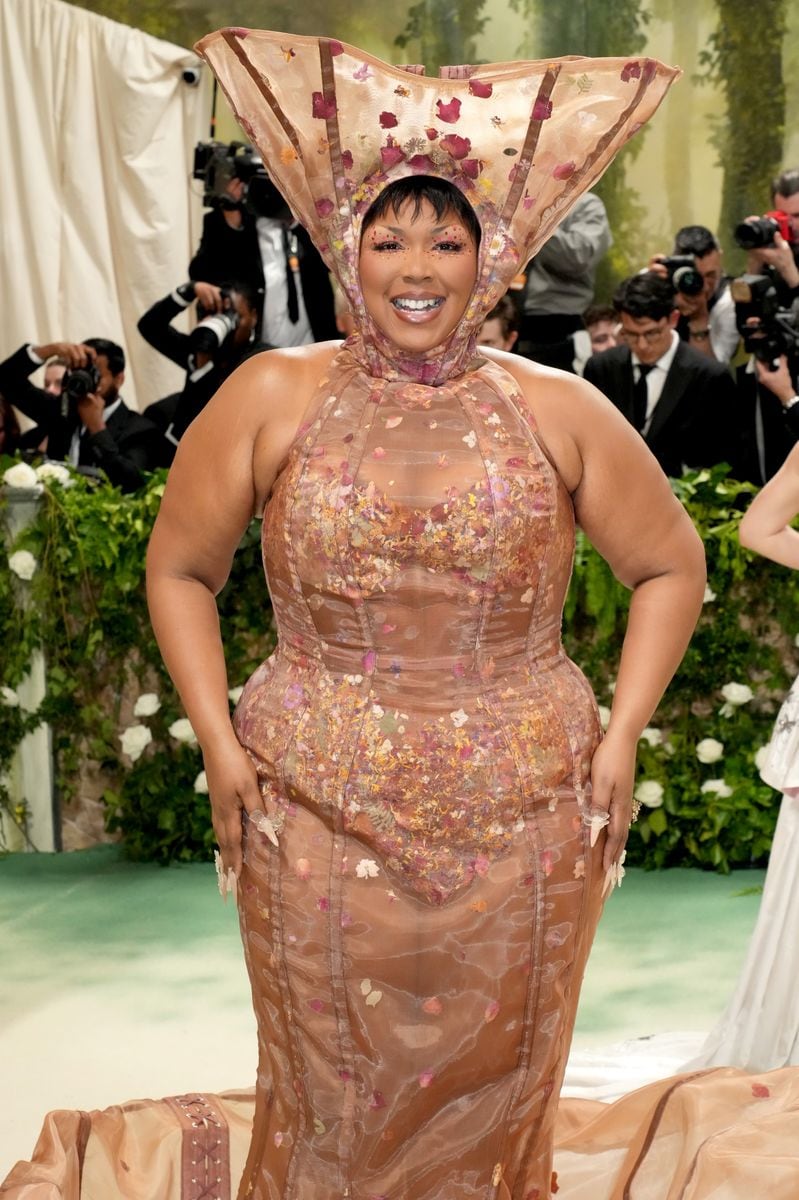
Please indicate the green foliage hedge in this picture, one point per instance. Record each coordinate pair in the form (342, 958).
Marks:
(85, 607)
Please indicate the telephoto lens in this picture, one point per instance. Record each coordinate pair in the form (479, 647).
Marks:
(209, 334)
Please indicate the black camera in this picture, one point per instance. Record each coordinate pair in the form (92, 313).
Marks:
(209, 334)
(758, 233)
(217, 163)
(80, 382)
(768, 330)
(683, 274)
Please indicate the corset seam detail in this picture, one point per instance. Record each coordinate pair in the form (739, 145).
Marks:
(486, 596)
(527, 1033)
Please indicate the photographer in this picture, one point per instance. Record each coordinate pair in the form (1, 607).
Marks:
(251, 235)
(214, 348)
(768, 404)
(88, 424)
(772, 241)
(707, 312)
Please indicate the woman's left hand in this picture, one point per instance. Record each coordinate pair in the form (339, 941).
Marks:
(612, 779)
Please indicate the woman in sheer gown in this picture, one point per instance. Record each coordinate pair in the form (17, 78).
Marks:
(414, 802)
(419, 884)
(759, 1029)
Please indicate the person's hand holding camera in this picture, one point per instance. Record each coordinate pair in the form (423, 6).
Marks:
(91, 411)
(779, 381)
(74, 354)
(779, 256)
(209, 297)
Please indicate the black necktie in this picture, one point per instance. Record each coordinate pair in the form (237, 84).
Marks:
(640, 397)
(292, 265)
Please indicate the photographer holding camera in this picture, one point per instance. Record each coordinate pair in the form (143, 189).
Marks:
(707, 312)
(767, 313)
(772, 241)
(220, 341)
(251, 235)
(87, 424)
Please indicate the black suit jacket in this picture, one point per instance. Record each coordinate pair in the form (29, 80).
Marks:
(228, 255)
(768, 432)
(123, 450)
(693, 422)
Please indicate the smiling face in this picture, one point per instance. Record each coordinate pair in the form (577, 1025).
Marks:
(417, 274)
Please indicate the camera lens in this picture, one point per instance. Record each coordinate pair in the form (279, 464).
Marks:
(755, 234)
(209, 334)
(688, 281)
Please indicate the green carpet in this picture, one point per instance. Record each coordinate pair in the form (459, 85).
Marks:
(122, 980)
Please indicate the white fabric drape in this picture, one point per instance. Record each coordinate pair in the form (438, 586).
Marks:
(98, 218)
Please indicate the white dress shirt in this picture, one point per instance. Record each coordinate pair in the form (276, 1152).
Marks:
(656, 379)
(276, 328)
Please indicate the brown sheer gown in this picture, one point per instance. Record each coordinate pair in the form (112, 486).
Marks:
(417, 937)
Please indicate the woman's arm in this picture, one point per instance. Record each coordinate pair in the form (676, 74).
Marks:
(625, 505)
(765, 527)
(223, 470)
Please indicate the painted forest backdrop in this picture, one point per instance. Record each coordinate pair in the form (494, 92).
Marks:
(725, 130)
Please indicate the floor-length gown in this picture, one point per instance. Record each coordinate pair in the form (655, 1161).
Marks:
(759, 1029)
(417, 936)
(419, 905)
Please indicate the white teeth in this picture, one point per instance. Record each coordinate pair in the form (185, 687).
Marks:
(416, 305)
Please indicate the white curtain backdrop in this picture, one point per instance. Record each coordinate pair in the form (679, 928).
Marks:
(98, 216)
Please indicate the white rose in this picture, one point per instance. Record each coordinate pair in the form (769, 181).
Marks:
(23, 563)
(653, 736)
(718, 787)
(134, 739)
(235, 694)
(650, 793)
(182, 731)
(367, 868)
(50, 472)
(709, 750)
(737, 693)
(201, 784)
(9, 698)
(709, 595)
(147, 705)
(604, 715)
(459, 718)
(21, 476)
(761, 757)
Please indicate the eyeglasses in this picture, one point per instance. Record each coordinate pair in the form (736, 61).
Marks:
(650, 336)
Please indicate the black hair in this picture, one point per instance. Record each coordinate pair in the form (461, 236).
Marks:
(440, 194)
(248, 291)
(696, 240)
(787, 183)
(506, 312)
(645, 295)
(114, 353)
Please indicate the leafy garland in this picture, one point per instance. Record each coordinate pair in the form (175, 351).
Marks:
(84, 606)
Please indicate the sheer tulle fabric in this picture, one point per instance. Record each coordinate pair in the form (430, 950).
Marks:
(417, 938)
(719, 1135)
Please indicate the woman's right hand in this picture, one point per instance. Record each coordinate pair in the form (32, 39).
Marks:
(233, 787)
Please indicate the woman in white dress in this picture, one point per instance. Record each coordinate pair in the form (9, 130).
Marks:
(759, 1030)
